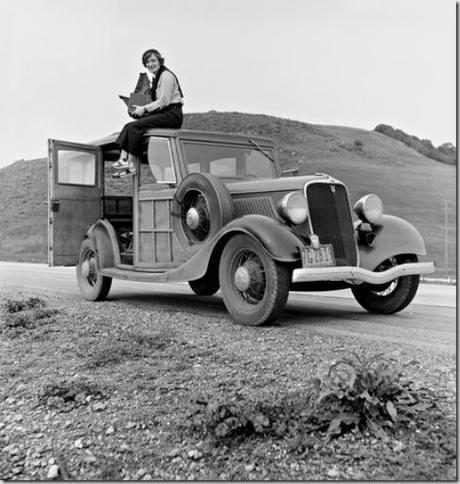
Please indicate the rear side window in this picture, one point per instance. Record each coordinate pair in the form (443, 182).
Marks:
(76, 168)
(160, 160)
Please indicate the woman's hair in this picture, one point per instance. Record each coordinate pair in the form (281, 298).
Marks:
(148, 53)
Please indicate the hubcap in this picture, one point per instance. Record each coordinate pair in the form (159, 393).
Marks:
(242, 279)
(249, 278)
(85, 269)
(88, 268)
(192, 218)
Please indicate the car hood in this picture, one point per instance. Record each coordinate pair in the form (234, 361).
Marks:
(275, 184)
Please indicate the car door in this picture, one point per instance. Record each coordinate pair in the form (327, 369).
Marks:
(75, 188)
(155, 243)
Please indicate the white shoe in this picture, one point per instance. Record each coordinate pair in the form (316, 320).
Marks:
(121, 164)
(131, 170)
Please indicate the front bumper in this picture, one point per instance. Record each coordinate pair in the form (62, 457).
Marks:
(357, 275)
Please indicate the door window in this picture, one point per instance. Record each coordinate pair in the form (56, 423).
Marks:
(76, 168)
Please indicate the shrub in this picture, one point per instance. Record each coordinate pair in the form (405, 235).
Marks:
(229, 418)
(65, 395)
(21, 315)
(372, 393)
(357, 394)
(16, 305)
(126, 345)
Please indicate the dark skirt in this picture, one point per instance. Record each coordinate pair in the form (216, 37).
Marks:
(131, 135)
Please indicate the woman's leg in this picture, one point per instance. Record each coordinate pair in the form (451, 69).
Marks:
(169, 118)
(130, 137)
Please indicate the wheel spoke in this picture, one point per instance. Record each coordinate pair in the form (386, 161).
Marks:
(387, 288)
(255, 291)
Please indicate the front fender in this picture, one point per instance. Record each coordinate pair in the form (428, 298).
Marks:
(276, 238)
(393, 236)
(104, 238)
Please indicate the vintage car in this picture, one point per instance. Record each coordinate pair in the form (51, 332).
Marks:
(213, 209)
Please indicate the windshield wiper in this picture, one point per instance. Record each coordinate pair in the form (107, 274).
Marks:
(259, 148)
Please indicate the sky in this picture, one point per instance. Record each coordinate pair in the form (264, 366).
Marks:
(352, 63)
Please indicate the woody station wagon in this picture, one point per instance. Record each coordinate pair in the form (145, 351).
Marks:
(212, 209)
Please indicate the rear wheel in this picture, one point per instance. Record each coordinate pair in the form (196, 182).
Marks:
(93, 286)
(254, 286)
(393, 296)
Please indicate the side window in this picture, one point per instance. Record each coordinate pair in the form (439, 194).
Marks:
(223, 167)
(160, 161)
(76, 168)
(218, 160)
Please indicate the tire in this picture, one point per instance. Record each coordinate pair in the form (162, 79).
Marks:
(254, 286)
(206, 286)
(202, 206)
(93, 286)
(393, 296)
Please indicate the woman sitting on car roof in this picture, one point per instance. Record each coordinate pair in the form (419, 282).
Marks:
(165, 111)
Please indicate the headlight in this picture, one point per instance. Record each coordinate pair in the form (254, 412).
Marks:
(293, 207)
(369, 208)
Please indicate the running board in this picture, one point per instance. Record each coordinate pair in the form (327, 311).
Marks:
(129, 275)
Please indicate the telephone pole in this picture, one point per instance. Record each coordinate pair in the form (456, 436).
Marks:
(446, 236)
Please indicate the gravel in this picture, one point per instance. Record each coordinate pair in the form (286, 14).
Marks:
(105, 390)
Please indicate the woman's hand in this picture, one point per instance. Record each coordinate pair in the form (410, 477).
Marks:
(138, 111)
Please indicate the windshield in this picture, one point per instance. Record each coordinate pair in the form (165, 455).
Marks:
(234, 162)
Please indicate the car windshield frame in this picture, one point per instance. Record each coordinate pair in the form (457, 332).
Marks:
(248, 162)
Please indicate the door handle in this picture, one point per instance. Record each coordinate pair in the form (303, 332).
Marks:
(55, 204)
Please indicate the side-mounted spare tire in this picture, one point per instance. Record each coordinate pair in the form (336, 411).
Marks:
(201, 207)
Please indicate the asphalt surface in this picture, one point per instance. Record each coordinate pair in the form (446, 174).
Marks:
(428, 322)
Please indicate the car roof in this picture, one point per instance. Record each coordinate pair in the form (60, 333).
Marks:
(193, 135)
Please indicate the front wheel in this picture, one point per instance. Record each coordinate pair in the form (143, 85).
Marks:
(254, 286)
(393, 296)
(93, 286)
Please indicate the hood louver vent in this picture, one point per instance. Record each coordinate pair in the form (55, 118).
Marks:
(255, 205)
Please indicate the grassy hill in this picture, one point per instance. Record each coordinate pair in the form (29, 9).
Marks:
(23, 220)
(411, 185)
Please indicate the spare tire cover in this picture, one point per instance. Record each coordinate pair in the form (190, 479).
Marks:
(202, 206)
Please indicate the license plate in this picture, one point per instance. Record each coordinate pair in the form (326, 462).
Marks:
(322, 256)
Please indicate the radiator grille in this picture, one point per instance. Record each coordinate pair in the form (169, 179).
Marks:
(331, 220)
(257, 205)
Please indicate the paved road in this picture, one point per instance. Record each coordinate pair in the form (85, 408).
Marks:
(429, 322)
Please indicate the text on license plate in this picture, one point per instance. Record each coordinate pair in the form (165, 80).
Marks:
(322, 256)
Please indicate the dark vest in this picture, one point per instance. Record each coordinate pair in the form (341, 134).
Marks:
(156, 80)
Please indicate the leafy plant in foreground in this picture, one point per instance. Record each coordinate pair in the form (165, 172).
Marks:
(228, 418)
(367, 393)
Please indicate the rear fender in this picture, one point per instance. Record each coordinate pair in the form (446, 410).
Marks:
(104, 238)
(393, 236)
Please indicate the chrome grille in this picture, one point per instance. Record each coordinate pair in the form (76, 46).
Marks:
(330, 217)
